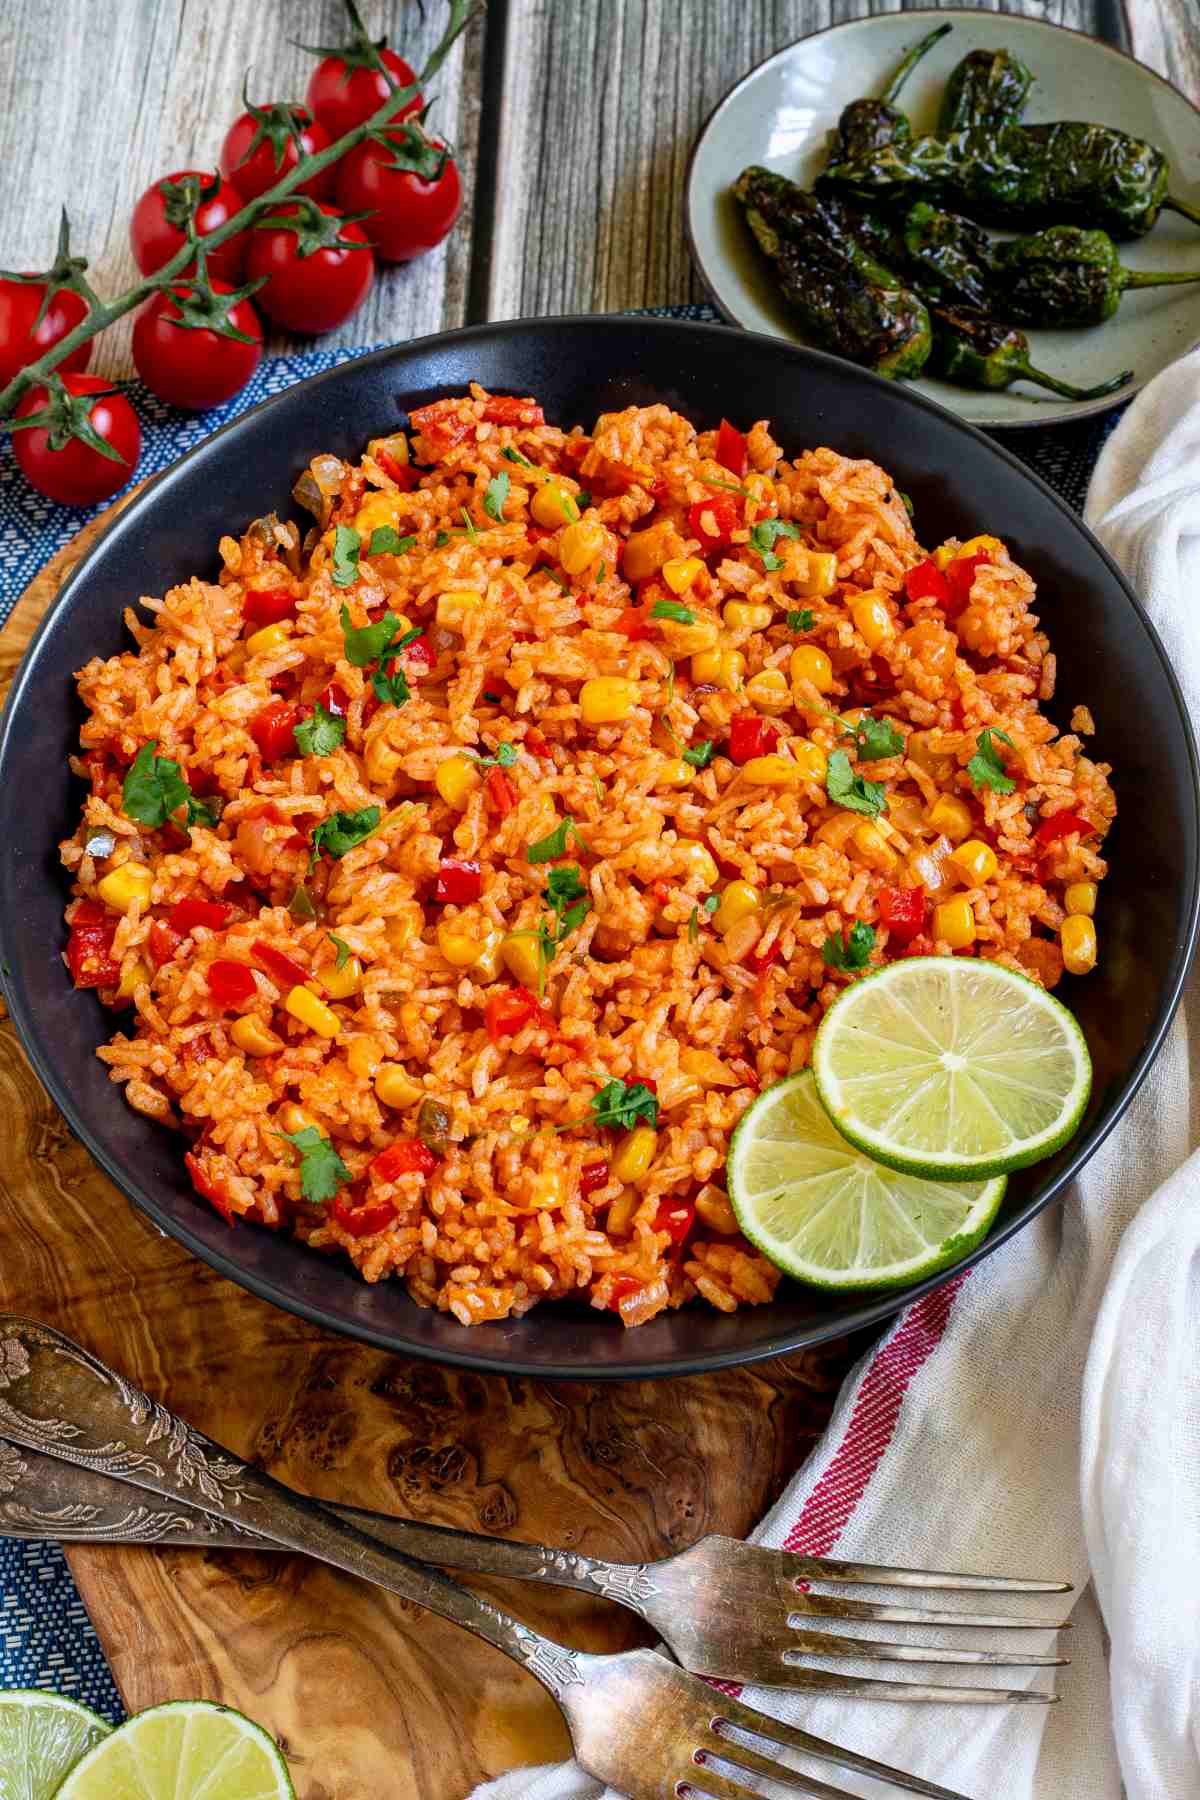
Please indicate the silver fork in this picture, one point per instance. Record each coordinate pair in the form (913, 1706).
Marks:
(726, 1609)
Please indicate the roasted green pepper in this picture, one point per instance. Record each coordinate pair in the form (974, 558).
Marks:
(866, 124)
(973, 350)
(989, 88)
(950, 258)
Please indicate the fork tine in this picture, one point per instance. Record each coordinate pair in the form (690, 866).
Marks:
(835, 1606)
(745, 1718)
(827, 1643)
(867, 1687)
(742, 1757)
(818, 1568)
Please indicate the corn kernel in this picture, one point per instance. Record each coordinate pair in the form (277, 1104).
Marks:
(554, 505)
(872, 849)
(607, 699)
(772, 772)
(549, 1189)
(945, 554)
(706, 1068)
(402, 927)
(1080, 899)
(620, 1214)
(376, 510)
(646, 551)
(809, 758)
(813, 666)
(454, 606)
(738, 901)
(679, 572)
(822, 575)
(136, 976)
(719, 668)
(364, 1056)
(975, 860)
(769, 691)
(293, 1118)
(741, 615)
(950, 817)
(1078, 938)
(521, 955)
(269, 638)
(255, 1038)
(954, 923)
(697, 860)
(460, 947)
(455, 779)
(680, 640)
(872, 620)
(634, 1154)
(395, 1087)
(580, 546)
(713, 1207)
(121, 887)
(339, 984)
(974, 546)
(673, 773)
(304, 1005)
(487, 963)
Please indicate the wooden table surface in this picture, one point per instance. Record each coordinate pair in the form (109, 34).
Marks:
(573, 123)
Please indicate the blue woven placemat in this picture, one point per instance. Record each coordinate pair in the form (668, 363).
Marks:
(46, 1638)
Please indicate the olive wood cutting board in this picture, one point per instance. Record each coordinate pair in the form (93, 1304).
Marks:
(367, 1695)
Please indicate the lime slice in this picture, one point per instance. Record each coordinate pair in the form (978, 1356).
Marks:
(947, 1065)
(826, 1214)
(185, 1750)
(42, 1737)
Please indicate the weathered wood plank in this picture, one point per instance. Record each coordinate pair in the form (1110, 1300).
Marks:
(100, 100)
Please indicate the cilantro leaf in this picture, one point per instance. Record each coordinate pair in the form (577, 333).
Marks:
(506, 755)
(497, 494)
(322, 1171)
(554, 844)
(386, 541)
(583, 499)
(986, 767)
(671, 609)
(849, 951)
(469, 525)
(154, 790)
(874, 738)
(601, 572)
(320, 734)
(368, 643)
(852, 791)
(493, 698)
(763, 537)
(514, 456)
(342, 950)
(340, 832)
(574, 915)
(441, 540)
(620, 1104)
(346, 551)
(800, 621)
(391, 685)
(563, 885)
(699, 755)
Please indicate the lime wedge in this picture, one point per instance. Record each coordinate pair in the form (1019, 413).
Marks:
(947, 1065)
(185, 1750)
(42, 1737)
(827, 1215)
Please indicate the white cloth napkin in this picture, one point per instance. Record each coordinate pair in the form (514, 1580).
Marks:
(1041, 1415)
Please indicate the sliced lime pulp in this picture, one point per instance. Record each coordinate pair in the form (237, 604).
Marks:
(185, 1750)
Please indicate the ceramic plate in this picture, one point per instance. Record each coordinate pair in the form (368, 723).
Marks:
(781, 112)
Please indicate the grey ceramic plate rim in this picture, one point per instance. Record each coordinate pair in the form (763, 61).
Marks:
(1071, 411)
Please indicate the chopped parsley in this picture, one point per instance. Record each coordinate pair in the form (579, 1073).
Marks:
(340, 832)
(873, 738)
(699, 755)
(506, 755)
(346, 551)
(801, 620)
(763, 537)
(849, 951)
(342, 951)
(386, 541)
(514, 456)
(986, 767)
(852, 791)
(620, 1104)
(154, 790)
(319, 734)
(497, 494)
(554, 844)
(671, 609)
(322, 1171)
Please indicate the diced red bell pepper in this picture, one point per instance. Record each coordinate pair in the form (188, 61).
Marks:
(335, 700)
(635, 623)
(959, 576)
(750, 736)
(459, 881)
(285, 969)
(902, 911)
(732, 453)
(507, 409)
(926, 582)
(89, 947)
(592, 1176)
(407, 1156)
(623, 1288)
(273, 729)
(1062, 824)
(676, 1218)
(267, 606)
(714, 521)
(208, 1189)
(404, 477)
(162, 941)
(501, 792)
(185, 915)
(361, 1220)
(230, 982)
(761, 960)
(506, 1013)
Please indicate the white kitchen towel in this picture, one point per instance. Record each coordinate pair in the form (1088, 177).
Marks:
(1041, 1415)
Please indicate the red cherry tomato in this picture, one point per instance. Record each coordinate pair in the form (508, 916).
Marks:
(89, 946)
(412, 206)
(459, 881)
(344, 90)
(185, 915)
(194, 365)
(78, 475)
(273, 729)
(676, 1218)
(267, 606)
(260, 149)
(155, 230)
(312, 283)
(23, 340)
(230, 983)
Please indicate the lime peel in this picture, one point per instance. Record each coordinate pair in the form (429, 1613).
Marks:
(184, 1750)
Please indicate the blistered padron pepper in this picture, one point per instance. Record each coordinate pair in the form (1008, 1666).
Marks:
(867, 124)
(974, 350)
(989, 88)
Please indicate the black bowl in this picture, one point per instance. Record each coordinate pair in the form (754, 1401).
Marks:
(1108, 656)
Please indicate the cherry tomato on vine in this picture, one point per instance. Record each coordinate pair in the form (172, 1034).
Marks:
(409, 184)
(318, 267)
(266, 142)
(23, 340)
(76, 473)
(346, 88)
(156, 228)
(183, 356)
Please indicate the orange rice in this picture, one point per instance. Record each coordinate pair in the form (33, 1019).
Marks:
(659, 982)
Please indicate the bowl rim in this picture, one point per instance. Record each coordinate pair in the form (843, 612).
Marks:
(873, 1309)
(1072, 411)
